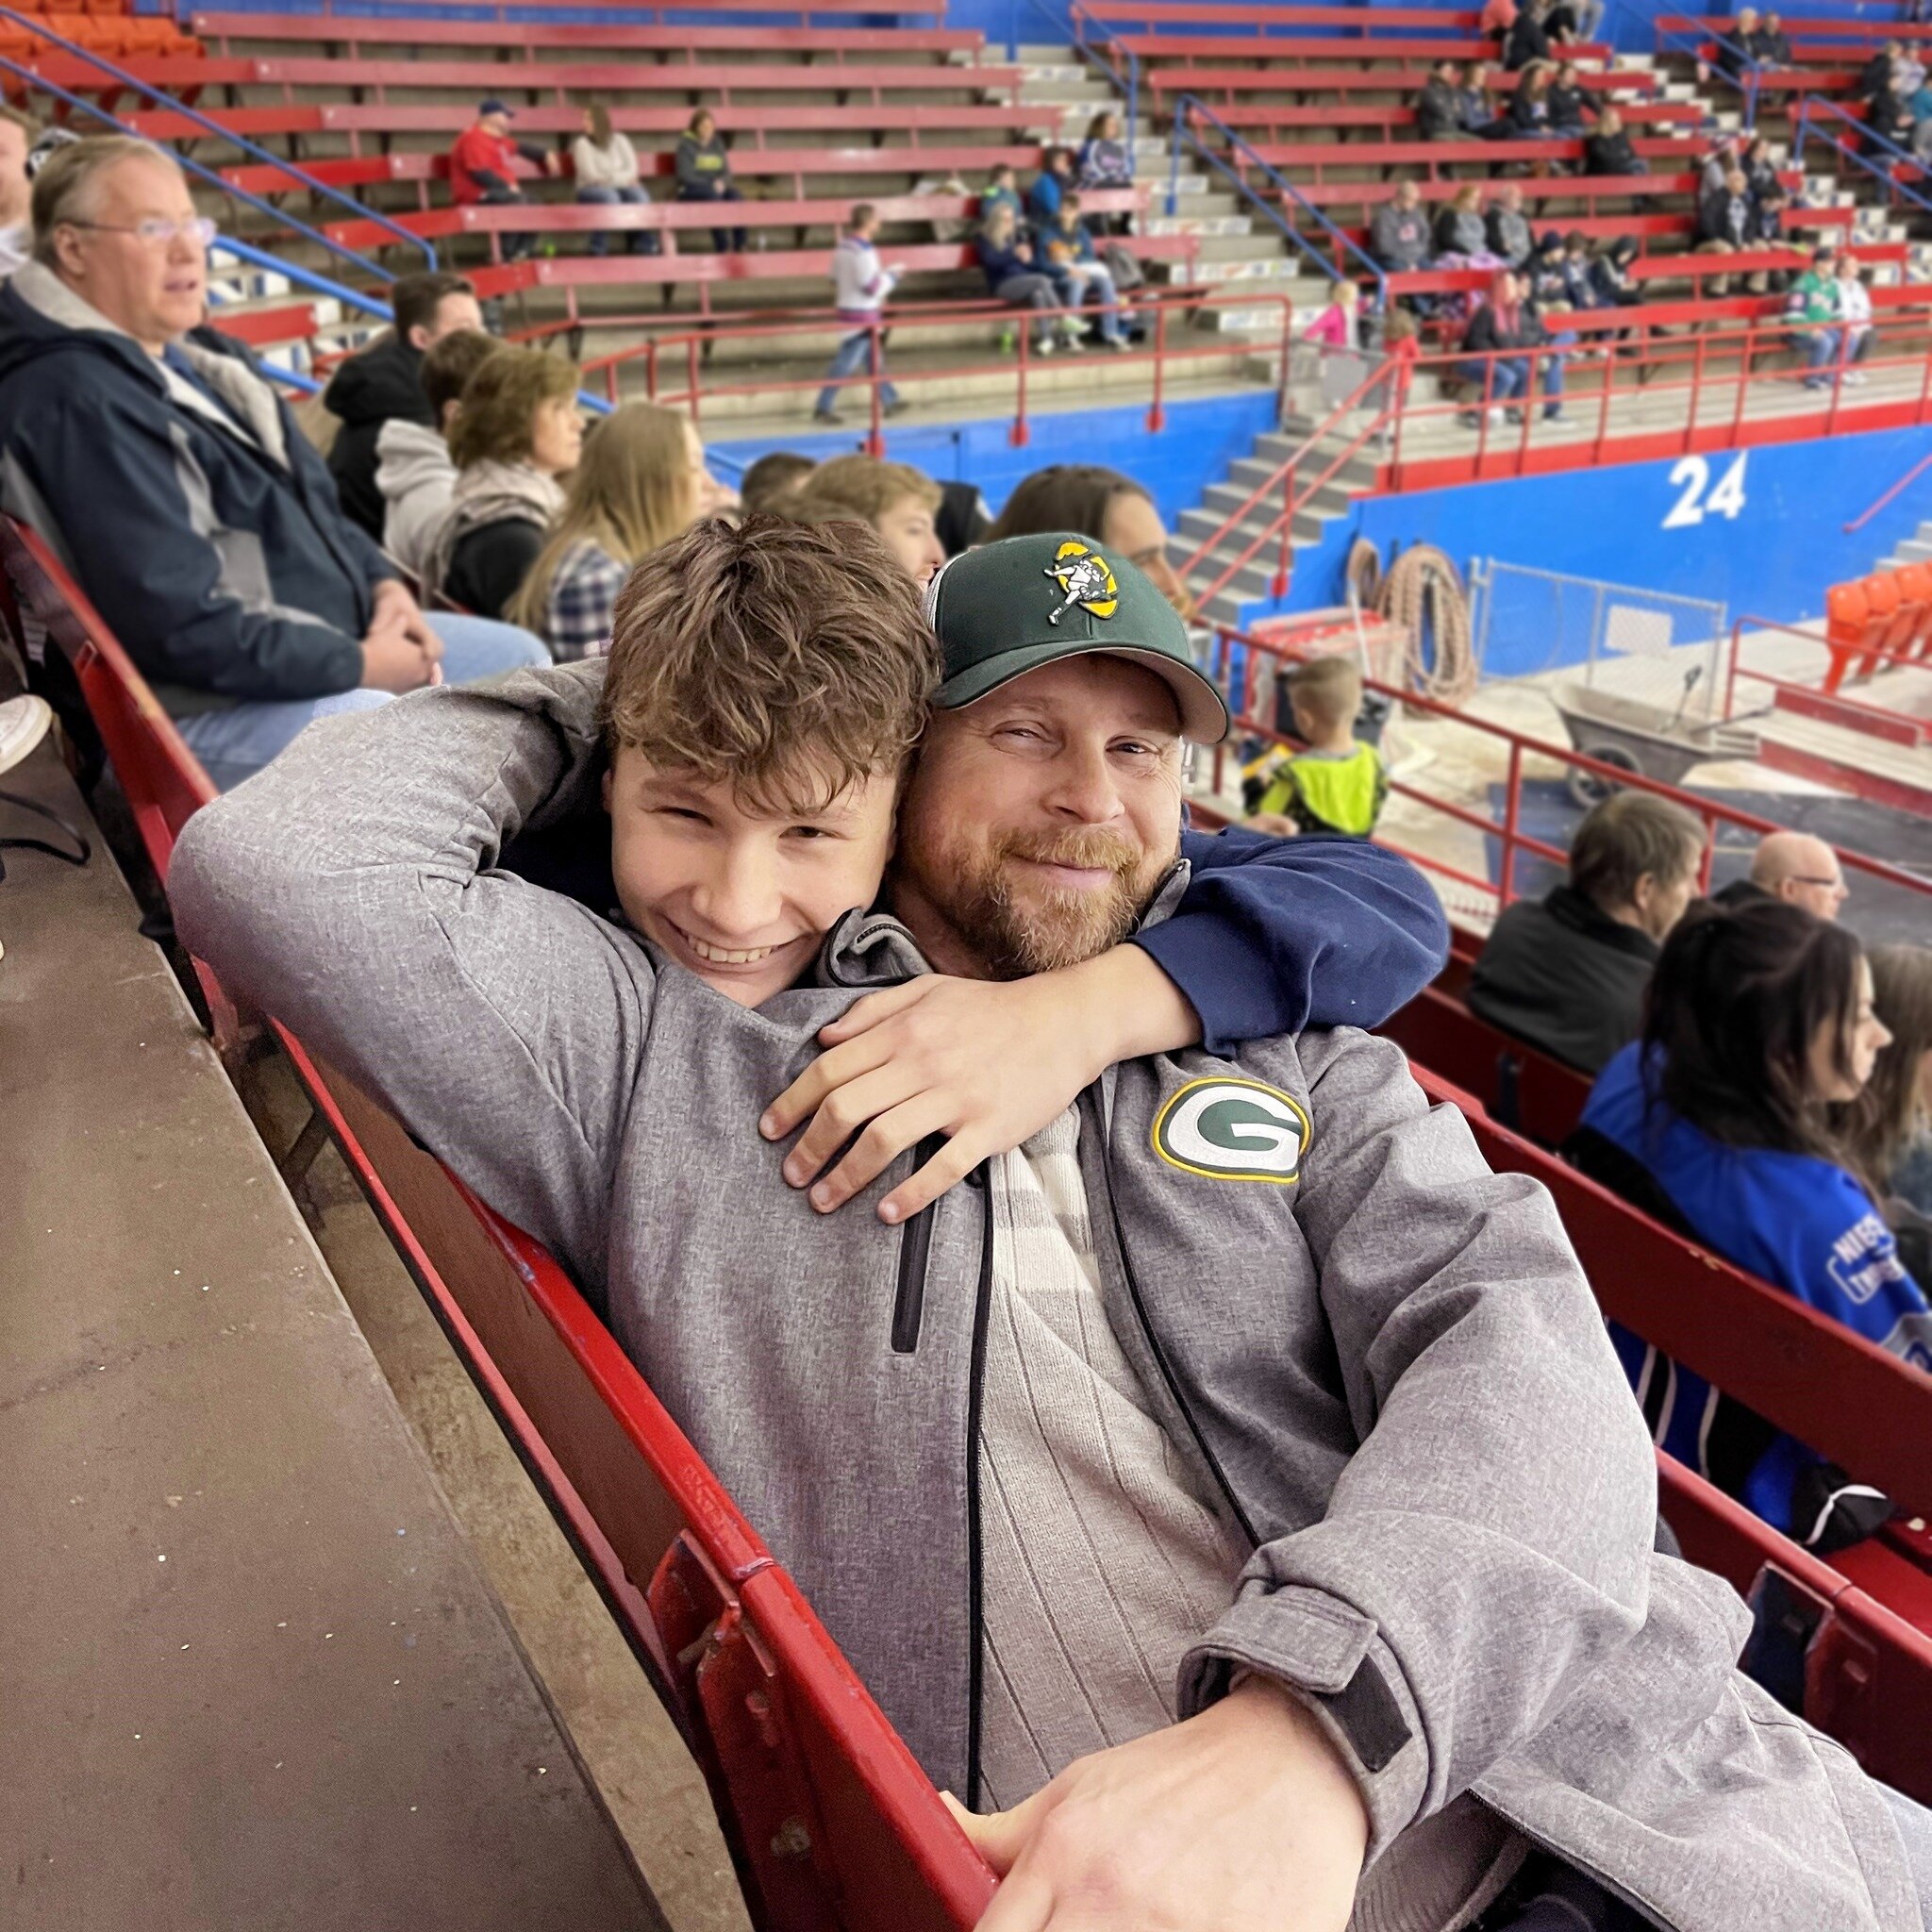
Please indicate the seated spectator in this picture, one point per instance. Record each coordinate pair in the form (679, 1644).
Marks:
(385, 383)
(1813, 311)
(1726, 153)
(1460, 228)
(415, 473)
(1792, 867)
(1337, 327)
(1399, 235)
(1476, 107)
(1887, 1129)
(1570, 106)
(1877, 74)
(482, 168)
(162, 468)
(1888, 119)
(861, 283)
(1104, 162)
(640, 482)
(703, 165)
(1609, 149)
(1528, 41)
(1736, 56)
(1855, 311)
(1920, 108)
(1438, 106)
(1338, 784)
(1544, 278)
(1567, 973)
(899, 502)
(1579, 288)
(1529, 113)
(1727, 225)
(1717, 1123)
(1104, 507)
(1081, 279)
(517, 431)
(606, 165)
(1768, 229)
(1770, 46)
(1511, 238)
(18, 133)
(1611, 276)
(1001, 191)
(1758, 168)
(1043, 198)
(771, 479)
(1492, 330)
(1014, 278)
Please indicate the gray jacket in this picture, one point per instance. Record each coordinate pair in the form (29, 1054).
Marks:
(1381, 1356)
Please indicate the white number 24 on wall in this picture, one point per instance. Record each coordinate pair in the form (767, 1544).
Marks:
(1691, 475)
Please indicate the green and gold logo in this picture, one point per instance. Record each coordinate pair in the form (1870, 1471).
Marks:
(1085, 579)
(1233, 1130)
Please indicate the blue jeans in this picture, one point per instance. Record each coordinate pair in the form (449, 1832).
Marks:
(1507, 380)
(641, 241)
(1084, 284)
(1819, 347)
(854, 359)
(725, 240)
(236, 743)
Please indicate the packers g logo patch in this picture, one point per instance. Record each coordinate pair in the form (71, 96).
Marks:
(1085, 579)
(1233, 1130)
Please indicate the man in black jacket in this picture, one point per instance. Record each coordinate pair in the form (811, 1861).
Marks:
(385, 382)
(1438, 106)
(1727, 224)
(1566, 973)
(155, 459)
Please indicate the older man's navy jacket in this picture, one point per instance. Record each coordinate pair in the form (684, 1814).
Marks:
(187, 504)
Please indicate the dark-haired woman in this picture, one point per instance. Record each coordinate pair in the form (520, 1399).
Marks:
(1717, 1123)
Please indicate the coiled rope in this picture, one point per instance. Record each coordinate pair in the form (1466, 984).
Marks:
(1421, 590)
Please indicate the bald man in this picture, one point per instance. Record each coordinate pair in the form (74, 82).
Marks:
(1796, 868)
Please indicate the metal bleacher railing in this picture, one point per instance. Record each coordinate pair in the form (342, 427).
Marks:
(38, 26)
(1240, 154)
(1852, 149)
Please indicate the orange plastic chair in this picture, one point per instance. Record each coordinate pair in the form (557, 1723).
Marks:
(1848, 616)
(1915, 586)
(1884, 596)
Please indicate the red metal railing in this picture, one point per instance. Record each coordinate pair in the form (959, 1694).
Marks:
(1628, 373)
(1891, 496)
(1261, 656)
(673, 358)
(1820, 700)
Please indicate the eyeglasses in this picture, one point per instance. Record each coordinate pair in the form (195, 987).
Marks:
(157, 231)
(1798, 878)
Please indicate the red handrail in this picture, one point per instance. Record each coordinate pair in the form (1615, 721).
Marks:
(1507, 830)
(1910, 476)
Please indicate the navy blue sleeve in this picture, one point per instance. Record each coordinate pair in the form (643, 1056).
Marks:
(1277, 934)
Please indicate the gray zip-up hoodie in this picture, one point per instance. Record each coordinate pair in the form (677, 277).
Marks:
(1381, 1356)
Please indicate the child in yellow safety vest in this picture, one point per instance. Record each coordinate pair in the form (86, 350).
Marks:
(1338, 784)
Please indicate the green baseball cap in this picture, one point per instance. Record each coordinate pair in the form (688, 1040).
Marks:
(1008, 608)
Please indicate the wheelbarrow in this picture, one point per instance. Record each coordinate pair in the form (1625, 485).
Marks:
(1641, 738)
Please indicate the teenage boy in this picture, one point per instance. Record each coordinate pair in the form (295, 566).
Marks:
(1238, 1586)
(861, 283)
(901, 504)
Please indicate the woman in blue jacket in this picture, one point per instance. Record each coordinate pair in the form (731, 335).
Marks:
(1716, 1122)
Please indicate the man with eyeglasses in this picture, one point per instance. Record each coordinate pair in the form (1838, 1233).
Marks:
(153, 455)
(1794, 867)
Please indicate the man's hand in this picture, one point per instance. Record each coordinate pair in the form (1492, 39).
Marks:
(1245, 1819)
(987, 1064)
(553, 163)
(395, 604)
(392, 658)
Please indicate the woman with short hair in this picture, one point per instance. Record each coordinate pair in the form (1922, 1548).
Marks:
(517, 431)
(642, 481)
(703, 165)
(1718, 1122)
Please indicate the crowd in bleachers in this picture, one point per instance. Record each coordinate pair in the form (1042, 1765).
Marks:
(1759, 1084)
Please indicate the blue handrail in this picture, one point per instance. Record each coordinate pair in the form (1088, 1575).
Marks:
(1751, 67)
(37, 26)
(1132, 87)
(1289, 192)
(1865, 160)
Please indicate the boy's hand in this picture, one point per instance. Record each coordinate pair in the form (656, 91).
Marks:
(987, 1064)
(1277, 824)
(1243, 1819)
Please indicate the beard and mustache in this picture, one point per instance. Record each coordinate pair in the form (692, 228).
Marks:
(1020, 925)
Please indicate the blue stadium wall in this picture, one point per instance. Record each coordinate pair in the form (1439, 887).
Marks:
(1761, 531)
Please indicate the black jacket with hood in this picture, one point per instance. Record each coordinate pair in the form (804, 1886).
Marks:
(368, 391)
(207, 533)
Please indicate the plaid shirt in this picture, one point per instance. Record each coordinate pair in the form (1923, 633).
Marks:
(583, 595)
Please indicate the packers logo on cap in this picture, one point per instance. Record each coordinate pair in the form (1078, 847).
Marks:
(1083, 575)
(1233, 1130)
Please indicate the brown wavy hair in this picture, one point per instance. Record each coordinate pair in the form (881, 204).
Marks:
(791, 659)
(500, 404)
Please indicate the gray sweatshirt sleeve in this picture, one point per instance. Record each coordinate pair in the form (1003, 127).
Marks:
(1488, 1547)
(348, 889)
